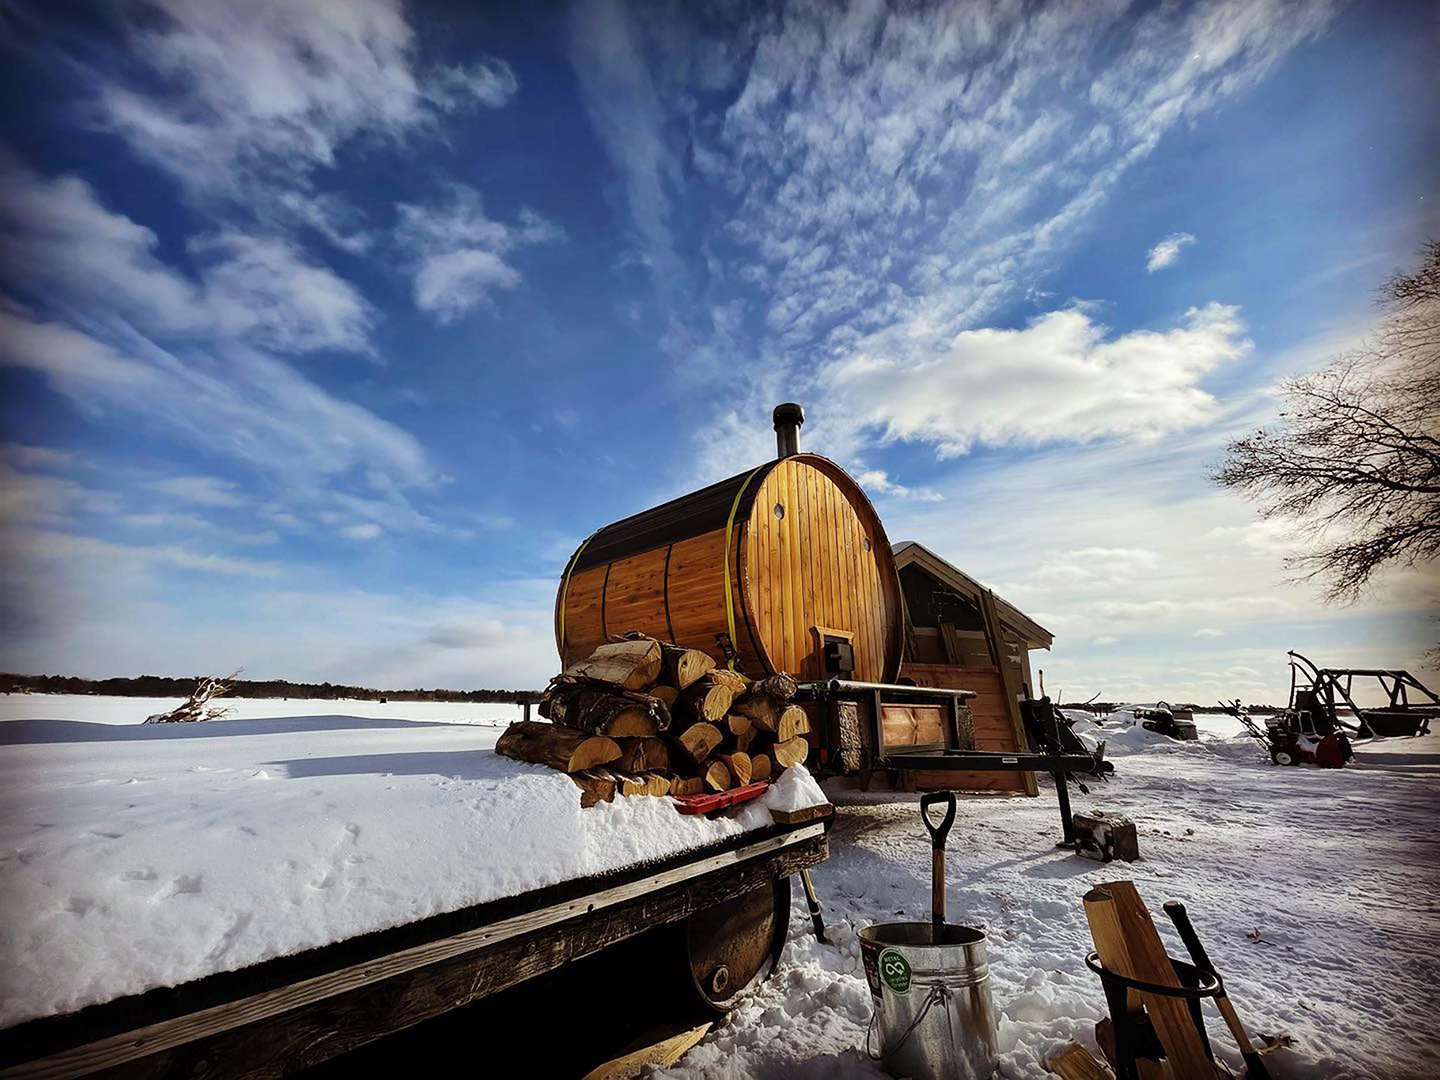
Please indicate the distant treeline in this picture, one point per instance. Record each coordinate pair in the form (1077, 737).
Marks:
(1105, 708)
(157, 686)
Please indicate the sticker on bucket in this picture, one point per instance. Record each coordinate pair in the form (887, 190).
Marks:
(895, 970)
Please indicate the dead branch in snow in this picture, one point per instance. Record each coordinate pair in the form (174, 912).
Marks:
(198, 706)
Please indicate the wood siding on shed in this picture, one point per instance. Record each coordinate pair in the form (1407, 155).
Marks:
(992, 725)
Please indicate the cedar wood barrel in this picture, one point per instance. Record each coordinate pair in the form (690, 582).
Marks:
(807, 558)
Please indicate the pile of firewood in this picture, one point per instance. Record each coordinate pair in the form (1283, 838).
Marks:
(642, 717)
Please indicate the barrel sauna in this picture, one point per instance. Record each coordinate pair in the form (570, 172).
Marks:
(807, 562)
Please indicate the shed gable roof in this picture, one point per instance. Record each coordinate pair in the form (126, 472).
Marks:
(912, 552)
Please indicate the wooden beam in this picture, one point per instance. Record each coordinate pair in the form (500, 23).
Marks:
(995, 638)
(299, 1025)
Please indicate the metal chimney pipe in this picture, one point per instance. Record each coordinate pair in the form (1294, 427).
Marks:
(788, 417)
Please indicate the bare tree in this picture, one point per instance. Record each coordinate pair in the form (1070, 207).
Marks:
(1355, 457)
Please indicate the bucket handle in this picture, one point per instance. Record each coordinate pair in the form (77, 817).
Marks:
(938, 992)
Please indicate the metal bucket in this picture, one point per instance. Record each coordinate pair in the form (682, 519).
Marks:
(933, 1016)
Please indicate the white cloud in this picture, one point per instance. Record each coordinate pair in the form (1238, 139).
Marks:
(620, 97)
(983, 387)
(489, 82)
(886, 178)
(365, 531)
(263, 289)
(201, 490)
(1208, 632)
(1167, 251)
(1105, 639)
(61, 244)
(458, 252)
(879, 482)
(236, 101)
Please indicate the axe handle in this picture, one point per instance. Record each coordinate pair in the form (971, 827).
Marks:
(1181, 918)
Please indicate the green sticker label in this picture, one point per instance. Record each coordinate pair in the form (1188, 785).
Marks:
(895, 970)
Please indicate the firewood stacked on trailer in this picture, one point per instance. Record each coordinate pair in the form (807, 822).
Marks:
(643, 717)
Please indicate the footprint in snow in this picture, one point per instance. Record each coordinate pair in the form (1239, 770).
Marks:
(228, 937)
(79, 905)
(138, 875)
(185, 885)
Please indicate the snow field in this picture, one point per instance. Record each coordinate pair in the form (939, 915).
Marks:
(135, 856)
(1337, 870)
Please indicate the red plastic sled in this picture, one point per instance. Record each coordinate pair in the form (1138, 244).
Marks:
(708, 804)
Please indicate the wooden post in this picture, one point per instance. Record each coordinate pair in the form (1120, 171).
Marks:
(995, 639)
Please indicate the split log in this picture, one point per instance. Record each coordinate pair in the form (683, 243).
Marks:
(631, 664)
(698, 740)
(687, 785)
(559, 747)
(762, 710)
(779, 685)
(1074, 1062)
(639, 755)
(650, 783)
(739, 766)
(664, 693)
(760, 767)
(681, 667)
(1135, 948)
(791, 722)
(790, 753)
(603, 709)
(708, 697)
(746, 738)
(717, 776)
(596, 786)
(732, 679)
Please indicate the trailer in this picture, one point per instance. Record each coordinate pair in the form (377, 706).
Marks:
(726, 908)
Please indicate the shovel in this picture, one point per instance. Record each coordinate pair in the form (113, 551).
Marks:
(937, 844)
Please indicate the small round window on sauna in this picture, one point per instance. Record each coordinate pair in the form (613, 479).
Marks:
(866, 542)
(779, 512)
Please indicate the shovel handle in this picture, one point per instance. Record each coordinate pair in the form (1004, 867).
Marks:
(937, 843)
(942, 830)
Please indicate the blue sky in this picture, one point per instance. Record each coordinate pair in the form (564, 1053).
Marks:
(329, 330)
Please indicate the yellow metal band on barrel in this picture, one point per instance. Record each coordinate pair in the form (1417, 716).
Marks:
(565, 590)
(729, 527)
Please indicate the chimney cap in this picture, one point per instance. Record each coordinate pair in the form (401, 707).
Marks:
(788, 414)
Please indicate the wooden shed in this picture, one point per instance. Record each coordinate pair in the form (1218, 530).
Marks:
(961, 635)
(784, 567)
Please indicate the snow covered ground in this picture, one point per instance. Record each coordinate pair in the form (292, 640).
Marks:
(177, 850)
(134, 856)
(1336, 869)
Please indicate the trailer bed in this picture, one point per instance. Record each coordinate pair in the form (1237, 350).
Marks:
(292, 1012)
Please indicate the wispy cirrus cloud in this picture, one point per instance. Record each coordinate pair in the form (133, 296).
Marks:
(59, 242)
(1167, 251)
(887, 180)
(245, 108)
(122, 333)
